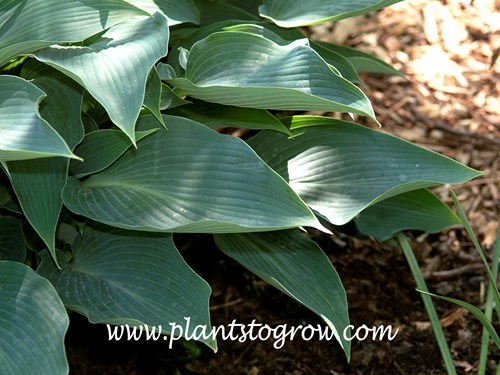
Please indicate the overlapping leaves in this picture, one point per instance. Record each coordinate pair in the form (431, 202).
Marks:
(29, 25)
(38, 183)
(123, 277)
(114, 66)
(33, 323)
(297, 266)
(221, 116)
(176, 11)
(340, 168)
(247, 70)
(25, 135)
(416, 210)
(292, 13)
(188, 179)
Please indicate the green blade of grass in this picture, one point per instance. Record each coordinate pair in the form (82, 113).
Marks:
(483, 358)
(474, 311)
(429, 306)
(473, 237)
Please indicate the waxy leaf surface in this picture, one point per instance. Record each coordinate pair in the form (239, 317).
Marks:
(33, 323)
(415, 210)
(293, 13)
(29, 25)
(297, 266)
(23, 133)
(188, 179)
(114, 67)
(38, 183)
(339, 168)
(122, 277)
(248, 70)
(12, 239)
(177, 12)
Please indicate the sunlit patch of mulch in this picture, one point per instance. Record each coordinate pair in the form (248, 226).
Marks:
(448, 51)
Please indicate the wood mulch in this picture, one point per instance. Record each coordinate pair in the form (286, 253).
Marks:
(449, 104)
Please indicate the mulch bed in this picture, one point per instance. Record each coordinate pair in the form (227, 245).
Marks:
(449, 104)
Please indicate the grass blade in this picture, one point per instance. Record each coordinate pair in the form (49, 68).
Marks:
(489, 307)
(473, 237)
(474, 311)
(429, 306)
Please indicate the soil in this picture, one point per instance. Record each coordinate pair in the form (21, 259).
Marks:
(447, 50)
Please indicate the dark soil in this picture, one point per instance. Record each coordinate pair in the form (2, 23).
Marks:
(454, 111)
(380, 291)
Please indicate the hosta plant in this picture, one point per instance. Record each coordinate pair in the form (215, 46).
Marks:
(110, 113)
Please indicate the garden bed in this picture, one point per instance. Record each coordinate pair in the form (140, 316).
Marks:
(449, 104)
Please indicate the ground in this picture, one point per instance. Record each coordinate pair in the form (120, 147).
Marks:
(449, 104)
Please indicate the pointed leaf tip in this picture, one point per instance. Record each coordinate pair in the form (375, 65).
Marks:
(188, 179)
(24, 134)
(119, 84)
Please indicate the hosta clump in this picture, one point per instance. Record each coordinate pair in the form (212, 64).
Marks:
(109, 113)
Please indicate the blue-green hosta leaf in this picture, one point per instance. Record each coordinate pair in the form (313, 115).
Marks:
(62, 106)
(8, 201)
(153, 94)
(182, 39)
(267, 31)
(340, 62)
(297, 266)
(33, 323)
(188, 179)
(101, 148)
(169, 99)
(183, 57)
(38, 183)
(293, 13)
(362, 61)
(29, 25)
(251, 6)
(122, 277)
(177, 12)
(222, 116)
(95, 114)
(185, 40)
(339, 168)
(23, 133)
(415, 210)
(248, 70)
(165, 71)
(214, 11)
(115, 66)
(11, 239)
(283, 37)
